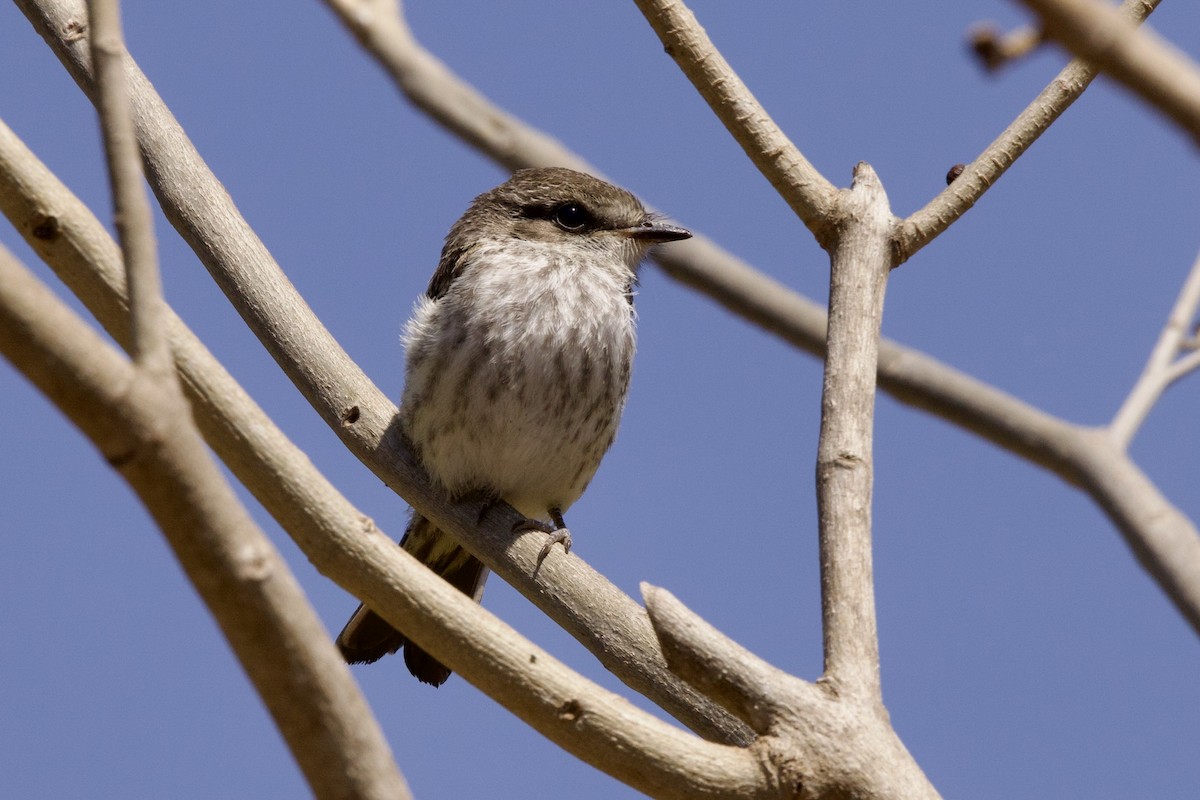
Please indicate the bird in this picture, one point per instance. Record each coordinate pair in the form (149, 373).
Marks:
(517, 365)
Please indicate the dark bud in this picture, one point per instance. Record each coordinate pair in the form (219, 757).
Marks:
(984, 42)
(954, 172)
(995, 49)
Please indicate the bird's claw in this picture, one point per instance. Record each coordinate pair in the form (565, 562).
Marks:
(561, 536)
(557, 532)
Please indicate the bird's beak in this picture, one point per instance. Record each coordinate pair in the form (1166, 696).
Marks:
(654, 232)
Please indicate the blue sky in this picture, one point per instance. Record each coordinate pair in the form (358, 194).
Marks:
(1024, 651)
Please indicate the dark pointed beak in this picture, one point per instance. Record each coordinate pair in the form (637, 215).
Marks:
(653, 232)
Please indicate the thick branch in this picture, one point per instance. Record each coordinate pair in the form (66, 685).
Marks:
(798, 182)
(1139, 59)
(243, 580)
(825, 743)
(607, 621)
(342, 543)
(744, 684)
(151, 439)
(860, 264)
(274, 631)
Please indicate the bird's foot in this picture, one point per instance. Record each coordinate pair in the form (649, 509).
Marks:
(561, 536)
(557, 532)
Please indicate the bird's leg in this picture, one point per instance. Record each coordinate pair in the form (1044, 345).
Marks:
(557, 531)
(560, 534)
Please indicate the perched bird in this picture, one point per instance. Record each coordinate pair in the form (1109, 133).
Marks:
(518, 363)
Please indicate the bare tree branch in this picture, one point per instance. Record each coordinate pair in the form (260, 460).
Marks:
(798, 182)
(1162, 538)
(1187, 364)
(341, 542)
(925, 225)
(152, 440)
(823, 743)
(860, 263)
(912, 377)
(1167, 546)
(604, 619)
(380, 27)
(243, 580)
(921, 381)
(135, 227)
(1164, 366)
(744, 684)
(276, 634)
(1140, 59)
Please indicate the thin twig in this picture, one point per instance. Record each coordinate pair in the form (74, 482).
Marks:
(798, 182)
(1162, 367)
(1187, 364)
(380, 26)
(1140, 59)
(926, 224)
(131, 209)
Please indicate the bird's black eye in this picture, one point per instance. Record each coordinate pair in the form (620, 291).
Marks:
(571, 217)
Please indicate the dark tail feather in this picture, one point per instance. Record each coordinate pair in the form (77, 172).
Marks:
(368, 638)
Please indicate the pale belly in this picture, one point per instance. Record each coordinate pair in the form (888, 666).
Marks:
(525, 409)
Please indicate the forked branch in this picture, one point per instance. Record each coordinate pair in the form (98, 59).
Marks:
(1173, 356)
(607, 621)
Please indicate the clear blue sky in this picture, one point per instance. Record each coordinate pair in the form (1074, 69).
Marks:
(1025, 654)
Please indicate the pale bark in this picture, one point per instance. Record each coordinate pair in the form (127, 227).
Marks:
(278, 637)
(796, 180)
(831, 738)
(1174, 355)
(925, 225)
(344, 544)
(604, 619)
(1139, 59)
(859, 267)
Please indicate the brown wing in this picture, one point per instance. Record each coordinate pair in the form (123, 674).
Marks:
(448, 268)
